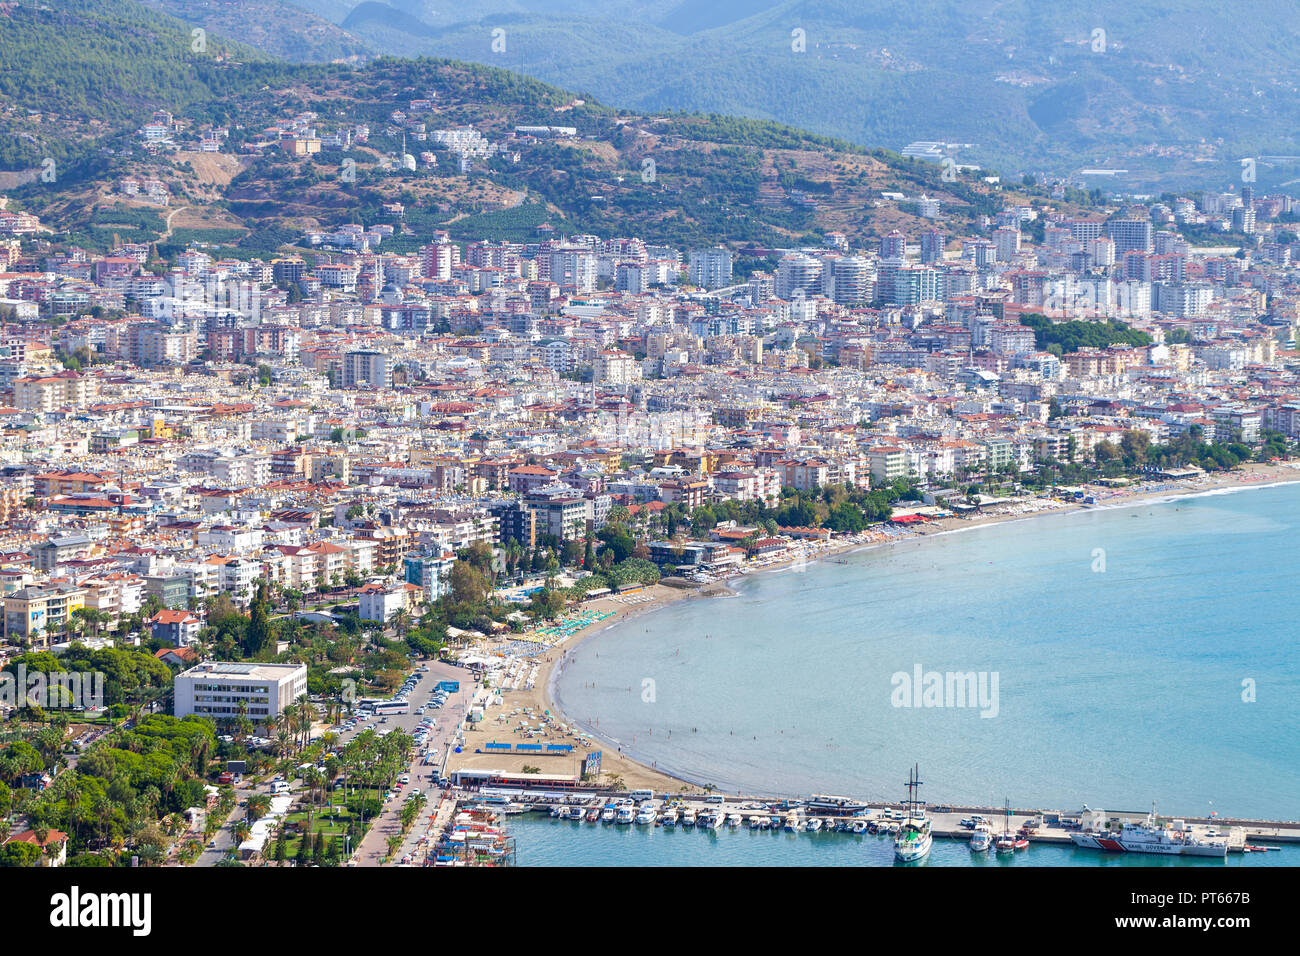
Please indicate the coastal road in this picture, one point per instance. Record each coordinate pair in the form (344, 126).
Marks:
(224, 839)
(373, 845)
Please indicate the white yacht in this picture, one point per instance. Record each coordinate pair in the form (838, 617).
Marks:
(982, 839)
(688, 817)
(646, 814)
(625, 814)
(914, 838)
(669, 817)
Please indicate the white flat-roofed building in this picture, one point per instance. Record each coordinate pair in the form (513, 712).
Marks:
(380, 604)
(215, 689)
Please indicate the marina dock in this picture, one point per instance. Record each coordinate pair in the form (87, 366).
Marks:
(817, 815)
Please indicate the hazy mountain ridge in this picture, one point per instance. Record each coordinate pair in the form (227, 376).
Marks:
(681, 178)
(1167, 87)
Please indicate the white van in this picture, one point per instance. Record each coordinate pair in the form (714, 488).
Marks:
(714, 798)
(639, 795)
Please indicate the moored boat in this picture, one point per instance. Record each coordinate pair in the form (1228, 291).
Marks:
(1174, 838)
(914, 836)
(1006, 843)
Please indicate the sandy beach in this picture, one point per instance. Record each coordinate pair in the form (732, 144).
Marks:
(534, 706)
(529, 705)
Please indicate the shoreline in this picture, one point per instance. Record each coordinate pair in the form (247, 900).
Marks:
(638, 772)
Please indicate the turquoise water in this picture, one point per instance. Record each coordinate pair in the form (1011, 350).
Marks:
(541, 841)
(1120, 639)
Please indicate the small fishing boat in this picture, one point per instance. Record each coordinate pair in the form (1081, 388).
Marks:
(669, 817)
(734, 820)
(860, 826)
(688, 817)
(982, 839)
(756, 823)
(792, 824)
(593, 815)
(625, 814)
(608, 814)
(814, 825)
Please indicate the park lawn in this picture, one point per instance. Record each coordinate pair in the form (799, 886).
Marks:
(333, 830)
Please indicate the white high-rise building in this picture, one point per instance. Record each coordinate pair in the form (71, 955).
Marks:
(574, 268)
(711, 268)
(1006, 243)
(852, 280)
(797, 273)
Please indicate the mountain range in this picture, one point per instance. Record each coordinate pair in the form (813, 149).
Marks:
(81, 79)
(1172, 91)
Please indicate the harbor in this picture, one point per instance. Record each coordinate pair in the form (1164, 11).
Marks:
(531, 748)
(498, 827)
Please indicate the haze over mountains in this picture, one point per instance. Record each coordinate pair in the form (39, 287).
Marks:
(1169, 90)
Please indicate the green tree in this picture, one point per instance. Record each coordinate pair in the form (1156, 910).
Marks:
(259, 625)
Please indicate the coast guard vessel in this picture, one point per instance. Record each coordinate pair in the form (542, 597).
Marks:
(1151, 836)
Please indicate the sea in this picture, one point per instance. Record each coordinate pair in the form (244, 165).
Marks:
(1115, 657)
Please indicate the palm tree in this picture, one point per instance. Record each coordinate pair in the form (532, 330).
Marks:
(401, 623)
(258, 805)
(308, 715)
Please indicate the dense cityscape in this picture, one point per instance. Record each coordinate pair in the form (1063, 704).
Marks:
(331, 439)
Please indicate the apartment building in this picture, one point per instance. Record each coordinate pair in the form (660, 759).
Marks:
(41, 615)
(225, 691)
